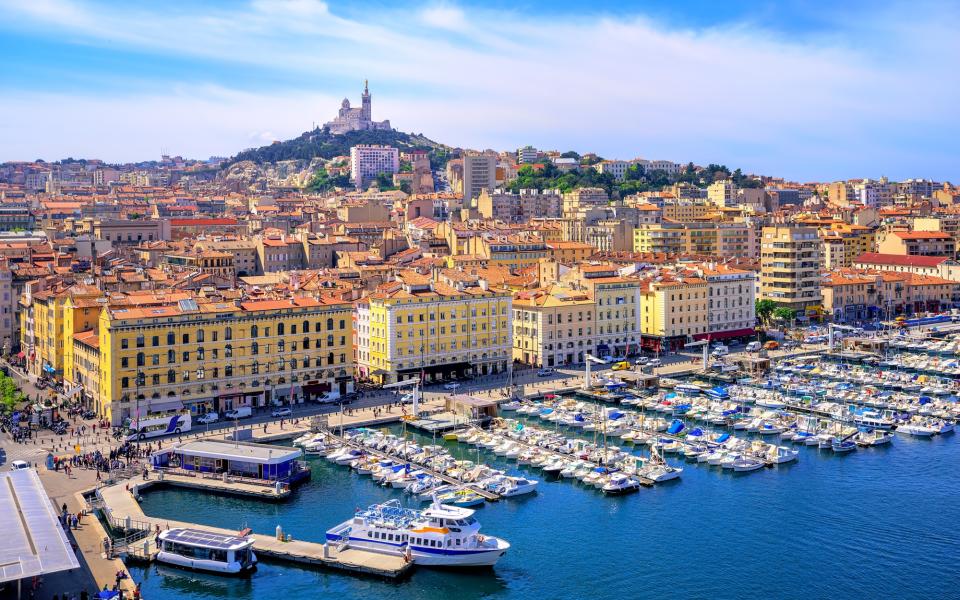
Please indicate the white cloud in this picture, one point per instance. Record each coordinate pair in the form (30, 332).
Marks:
(626, 87)
(444, 17)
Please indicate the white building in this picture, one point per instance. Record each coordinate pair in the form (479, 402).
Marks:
(369, 161)
(479, 172)
(357, 119)
(527, 154)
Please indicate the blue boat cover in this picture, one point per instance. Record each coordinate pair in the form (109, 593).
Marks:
(675, 427)
(696, 431)
(615, 415)
(723, 438)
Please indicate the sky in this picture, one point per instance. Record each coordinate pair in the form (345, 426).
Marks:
(810, 91)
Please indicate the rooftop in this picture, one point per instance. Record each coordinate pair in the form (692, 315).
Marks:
(33, 541)
(239, 451)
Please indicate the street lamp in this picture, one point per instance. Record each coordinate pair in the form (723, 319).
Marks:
(140, 380)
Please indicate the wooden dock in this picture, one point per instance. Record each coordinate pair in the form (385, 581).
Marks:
(120, 504)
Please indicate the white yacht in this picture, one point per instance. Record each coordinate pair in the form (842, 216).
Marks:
(440, 536)
(206, 551)
(621, 483)
(516, 486)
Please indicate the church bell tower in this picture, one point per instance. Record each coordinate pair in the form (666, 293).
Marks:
(365, 112)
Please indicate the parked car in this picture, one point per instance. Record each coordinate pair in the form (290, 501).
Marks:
(643, 360)
(546, 372)
(771, 345)
(281, 412)
(239, 413)
(753, 347)
(451, 386)
(19, 465)
(655, 362)
(620, 366)
(210, 417)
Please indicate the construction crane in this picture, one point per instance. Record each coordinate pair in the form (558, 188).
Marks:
(415, 383)
(587, 359)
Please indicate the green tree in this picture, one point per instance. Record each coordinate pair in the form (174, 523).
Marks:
(764, 309)
(782, 313)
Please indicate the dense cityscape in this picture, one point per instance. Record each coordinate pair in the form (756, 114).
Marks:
(206, 364)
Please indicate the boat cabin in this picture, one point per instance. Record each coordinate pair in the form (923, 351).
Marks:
(207, 551)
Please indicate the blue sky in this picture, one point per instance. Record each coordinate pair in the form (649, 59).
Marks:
(806, 90)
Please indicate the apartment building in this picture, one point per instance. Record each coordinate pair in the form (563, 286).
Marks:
(618, 309)
(553, 326)
(367, 161)
(674, 309)
(731, 308)
(918, 243)
(216, 356)
(416, 327)
(790, 267)
(479, 173)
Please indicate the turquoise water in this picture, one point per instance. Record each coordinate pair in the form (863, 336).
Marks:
(878, 522)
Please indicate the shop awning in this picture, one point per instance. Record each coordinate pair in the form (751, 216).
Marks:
(21, 354)
(725, 335)
(166, 406)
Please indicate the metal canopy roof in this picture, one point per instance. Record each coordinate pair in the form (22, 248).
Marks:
(33, 541)
(206, 539)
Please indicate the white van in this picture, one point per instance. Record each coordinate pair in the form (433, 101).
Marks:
(239, 413)
(210, 417)
(753, 347)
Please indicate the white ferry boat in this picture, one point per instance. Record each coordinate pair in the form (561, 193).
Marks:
(207, 551)
(439, 536)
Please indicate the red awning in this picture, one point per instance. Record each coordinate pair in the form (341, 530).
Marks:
(20, 354)
(724, 335)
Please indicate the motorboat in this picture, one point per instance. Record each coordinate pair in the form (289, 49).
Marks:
(620, 483)
(442, 535)
(461, 498)
(782, 454)
(207, 551)
(511, 487)
(874, 437)
(841, 446)
(745, 464)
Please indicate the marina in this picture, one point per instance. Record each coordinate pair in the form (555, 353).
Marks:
(590, 454)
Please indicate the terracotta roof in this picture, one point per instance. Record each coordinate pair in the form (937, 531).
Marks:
(875, 258)
(922, 235)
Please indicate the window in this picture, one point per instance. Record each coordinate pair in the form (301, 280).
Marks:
(199, 353)
(124, 343)
(228, 351)
(330, 358)
(228, 333)
(124, 382)
(171, 376)
(124, 362)
(171, 338)
(254, 331)
(155, 379)
(329, 324)
(228, 371)
(155, 341)
(171, 356)
(306, 327)
(316, 328)
(185, 338)
(254, 348)
(141, 359)
(200, 335)
(186, 357)
(280, 329)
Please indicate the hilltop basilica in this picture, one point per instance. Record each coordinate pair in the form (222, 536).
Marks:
(356, 119)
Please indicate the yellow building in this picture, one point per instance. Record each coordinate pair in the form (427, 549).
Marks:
(686, 211)
(570, 252)
(56, 316)
(674, 309)
(513, 251)
(416, 327)
(222, 355)
(618, 308)
(553, 326)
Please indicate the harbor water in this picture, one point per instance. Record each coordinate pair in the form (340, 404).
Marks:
(879, 522)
